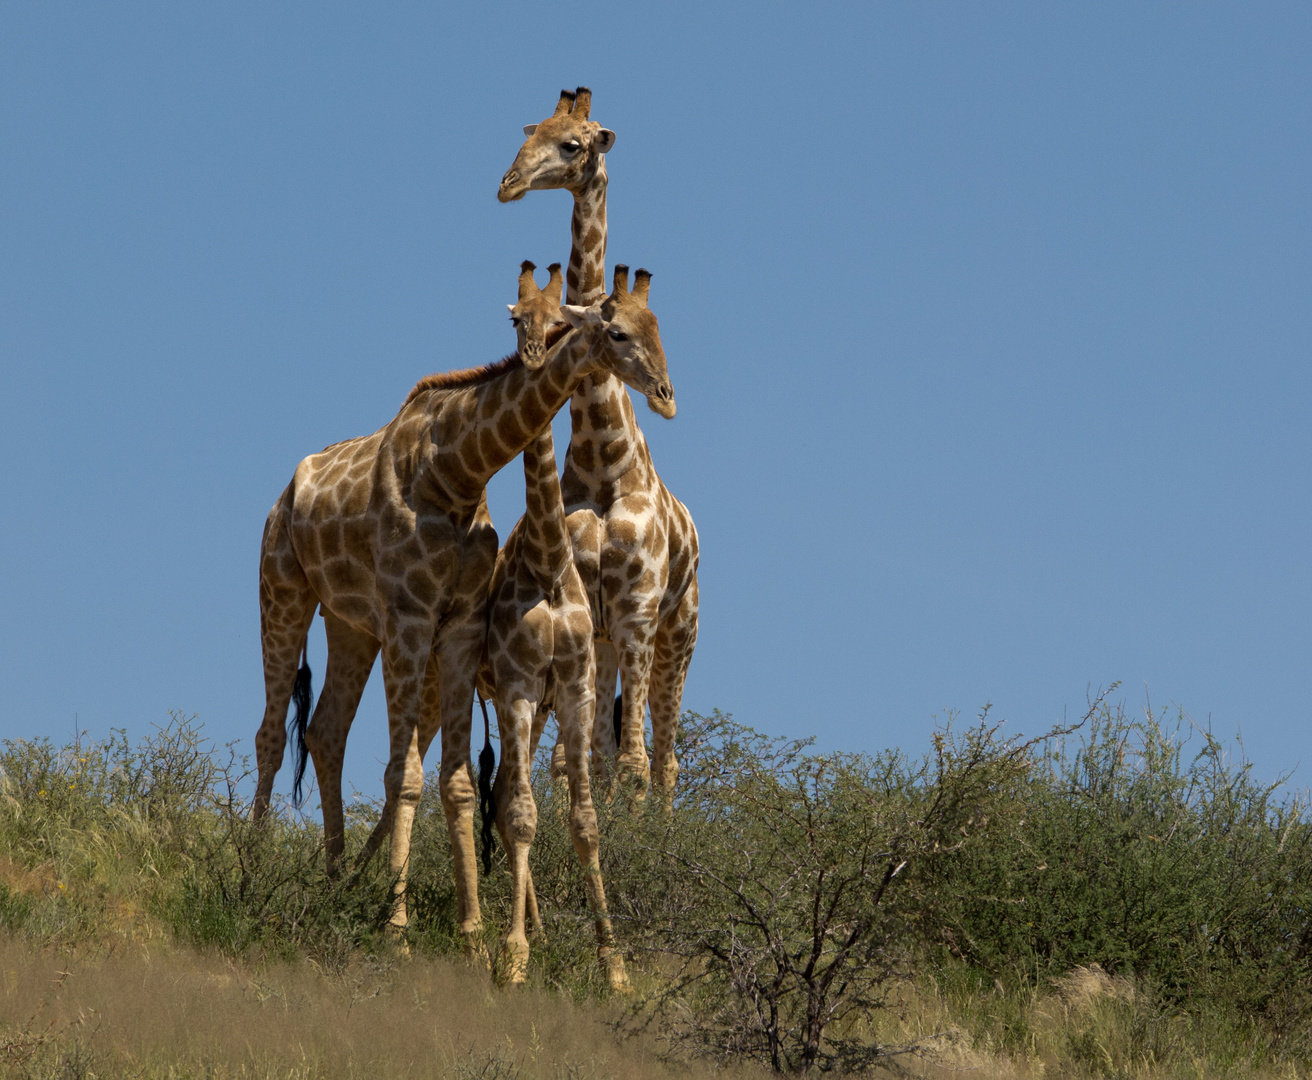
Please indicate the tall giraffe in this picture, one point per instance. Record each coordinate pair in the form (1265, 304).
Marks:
(390, 536)
(635, 544)
(540, 657)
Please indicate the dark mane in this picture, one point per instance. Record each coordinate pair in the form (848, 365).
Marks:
(455, 380)
(458, 380)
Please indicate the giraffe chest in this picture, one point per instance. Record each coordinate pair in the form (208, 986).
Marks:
(622, 559)
(538, 636)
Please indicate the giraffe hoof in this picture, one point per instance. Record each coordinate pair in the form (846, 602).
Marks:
(396, 934)
(514, 962)
(613, 961)
(474, 948)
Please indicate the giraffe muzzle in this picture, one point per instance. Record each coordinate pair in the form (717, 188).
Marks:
(661, 401)
(512, 187)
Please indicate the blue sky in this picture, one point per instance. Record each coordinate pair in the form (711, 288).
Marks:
(989, 326)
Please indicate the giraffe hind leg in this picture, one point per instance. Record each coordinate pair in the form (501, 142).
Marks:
(351, 655)
(675, 641)
(287, 605)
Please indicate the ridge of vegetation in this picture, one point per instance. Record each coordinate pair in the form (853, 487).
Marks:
(1114, 898)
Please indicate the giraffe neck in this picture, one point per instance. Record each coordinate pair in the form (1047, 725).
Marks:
(475, 431)
(604, 437)
(545, 545)
(585, 278)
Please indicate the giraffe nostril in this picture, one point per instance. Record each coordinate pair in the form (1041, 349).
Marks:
(509, 178)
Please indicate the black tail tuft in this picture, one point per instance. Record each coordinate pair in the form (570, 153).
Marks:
(617, 718)
(302, 699)
(487, 763)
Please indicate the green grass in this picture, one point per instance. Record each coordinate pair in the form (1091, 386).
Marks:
(1122, 899)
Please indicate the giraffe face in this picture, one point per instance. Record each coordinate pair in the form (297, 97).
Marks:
(536, 314)
(627, 340)
(561, 152)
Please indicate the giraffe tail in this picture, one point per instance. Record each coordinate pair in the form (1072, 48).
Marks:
(617, 719)
(487, 762)
(302, 699)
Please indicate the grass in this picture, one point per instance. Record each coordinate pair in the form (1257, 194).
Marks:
(1121, 900)
(174, 1012)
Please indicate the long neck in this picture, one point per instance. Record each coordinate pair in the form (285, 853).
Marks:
(476, 430)
(604, 436)
(585, 279)
(545, 546)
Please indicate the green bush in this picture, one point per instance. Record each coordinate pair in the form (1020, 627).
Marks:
(1180, 871)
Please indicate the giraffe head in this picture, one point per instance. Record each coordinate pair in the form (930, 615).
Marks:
(561, 152)
(536, 313)
(624, 332)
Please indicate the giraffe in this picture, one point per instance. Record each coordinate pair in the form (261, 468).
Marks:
(540, 657)
(389, 535)
(635, 545)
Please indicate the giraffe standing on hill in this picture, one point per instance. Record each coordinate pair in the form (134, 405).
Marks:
(540, 654)
(390, 536)
(634, 543)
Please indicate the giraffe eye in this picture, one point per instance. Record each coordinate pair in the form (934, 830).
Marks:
(617, 335)
(514, 320)
(571, 147)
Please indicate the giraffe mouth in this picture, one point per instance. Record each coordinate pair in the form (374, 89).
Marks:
(513, 187)
(662, 403)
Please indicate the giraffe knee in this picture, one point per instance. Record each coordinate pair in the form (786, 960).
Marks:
(583, 830)
(318, 742)
(457, 791)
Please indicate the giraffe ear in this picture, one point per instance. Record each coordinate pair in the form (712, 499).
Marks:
(581, 316)
(510, 308)
(605, 140)
(530, 128)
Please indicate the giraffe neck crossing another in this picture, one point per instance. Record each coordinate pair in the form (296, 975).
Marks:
(545, 547)
(494, 420)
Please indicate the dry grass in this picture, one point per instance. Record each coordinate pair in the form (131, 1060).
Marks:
(176, 1013)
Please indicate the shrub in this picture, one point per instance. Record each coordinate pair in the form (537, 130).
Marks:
(1181, 871)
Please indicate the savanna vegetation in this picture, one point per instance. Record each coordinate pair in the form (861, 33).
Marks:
(1116, 898)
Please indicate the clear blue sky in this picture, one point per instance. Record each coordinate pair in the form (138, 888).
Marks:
(989, 326)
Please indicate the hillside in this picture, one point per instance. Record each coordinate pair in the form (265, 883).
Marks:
(1118, 898)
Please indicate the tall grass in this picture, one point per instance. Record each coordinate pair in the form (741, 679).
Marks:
(1121, 899)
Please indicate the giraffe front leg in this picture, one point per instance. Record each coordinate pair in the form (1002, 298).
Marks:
(405, 664)
(457, 655)
(517, 817)
(575, 710)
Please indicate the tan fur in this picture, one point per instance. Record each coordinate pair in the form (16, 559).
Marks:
(389, 536)
(635, 545)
